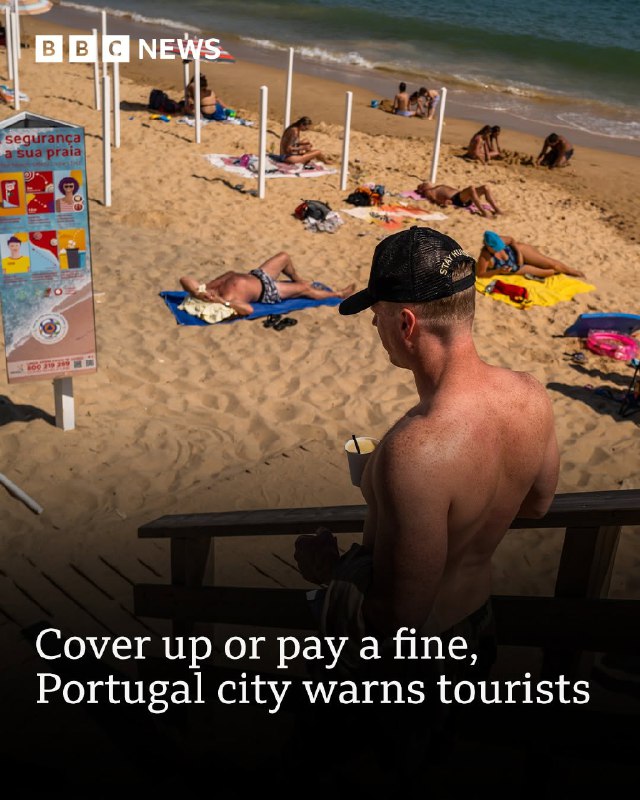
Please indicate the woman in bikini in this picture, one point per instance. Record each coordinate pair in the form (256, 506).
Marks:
(501, 255)
(293, 149)
(210, 106)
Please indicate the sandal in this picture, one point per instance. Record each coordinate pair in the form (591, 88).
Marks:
(285, 323)
(271, 320)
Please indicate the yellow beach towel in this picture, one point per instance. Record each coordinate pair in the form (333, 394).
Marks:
(556, 289)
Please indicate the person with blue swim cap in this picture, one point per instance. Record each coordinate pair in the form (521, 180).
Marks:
(502, 255)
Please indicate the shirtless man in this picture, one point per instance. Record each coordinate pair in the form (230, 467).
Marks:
(401, 102)
(444, 485)
(237, 290)
(556, 152)
(294, 149)
(443, 196)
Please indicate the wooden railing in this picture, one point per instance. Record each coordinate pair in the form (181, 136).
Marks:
(578, 617)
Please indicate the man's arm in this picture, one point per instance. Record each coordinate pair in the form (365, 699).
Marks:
(411, 536)
(540, 496)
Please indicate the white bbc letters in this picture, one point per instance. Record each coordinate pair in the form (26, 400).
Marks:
(49, 49)
(115, 48)
(83, 49)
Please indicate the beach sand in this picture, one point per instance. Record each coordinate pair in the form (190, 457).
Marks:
(188, 419)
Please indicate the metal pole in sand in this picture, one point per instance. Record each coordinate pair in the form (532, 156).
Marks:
(106, 138)
(65, 408)
(262, 147)
(17, 492)
(287, 97)
(96, 74)
(15, 47)
(436, 144)
(344, 169)
(185, 72)
(196, 86)
(116, 104)
(8, 38)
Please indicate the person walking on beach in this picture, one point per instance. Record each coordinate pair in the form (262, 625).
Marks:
(556, 152)
(401, 102)
(443, 196)
(477, 450)
(294, 149)
(503, 255)
(237, 290)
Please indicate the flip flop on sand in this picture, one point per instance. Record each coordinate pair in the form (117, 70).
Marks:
(285, 323)
(271, 320)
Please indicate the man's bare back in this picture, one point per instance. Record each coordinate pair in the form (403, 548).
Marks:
(482, 459)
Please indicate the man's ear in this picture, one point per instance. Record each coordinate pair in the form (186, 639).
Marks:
(408, 323)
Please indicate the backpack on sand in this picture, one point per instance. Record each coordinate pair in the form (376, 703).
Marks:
(312, 208)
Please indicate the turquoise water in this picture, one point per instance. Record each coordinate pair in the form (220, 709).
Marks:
(582, 59)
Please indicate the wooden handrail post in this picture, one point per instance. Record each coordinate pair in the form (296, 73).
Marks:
(188, 563)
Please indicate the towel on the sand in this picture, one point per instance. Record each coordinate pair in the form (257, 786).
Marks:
(556, 289)
(273, 169)
(7, 94)
(175, 299)
(392, 217)
(229, 121)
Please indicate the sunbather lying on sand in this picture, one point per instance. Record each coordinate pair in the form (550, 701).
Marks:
(443, 195)
(237, 290)
(503, 255)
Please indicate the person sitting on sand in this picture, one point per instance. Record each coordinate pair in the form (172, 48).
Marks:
(428, 101)
(415, 105)
(443, 196)
(494, 144)
(401, 102)
(502, 255)
(556, 152)
(293, 149)
(210, 106)
(478, 148)
(237, 290)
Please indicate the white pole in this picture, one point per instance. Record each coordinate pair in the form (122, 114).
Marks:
(116, 104)
(185, 73)
(436, 145)
(287, 99)
(344, 170)
(262, 147)
(17, 13)
(105, 68)
(65, 409)
(15, 47)
(17, 492)
(96, 74)
(8, 38)
(106, 139)
(196, 86)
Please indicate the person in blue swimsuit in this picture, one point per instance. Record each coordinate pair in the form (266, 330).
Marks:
(502, 255)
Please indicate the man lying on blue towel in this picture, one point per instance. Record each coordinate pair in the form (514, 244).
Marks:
(237, 290)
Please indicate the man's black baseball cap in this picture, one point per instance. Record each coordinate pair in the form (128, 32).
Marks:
(413, 266)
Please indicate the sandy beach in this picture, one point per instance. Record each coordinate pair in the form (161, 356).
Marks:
(187, 419)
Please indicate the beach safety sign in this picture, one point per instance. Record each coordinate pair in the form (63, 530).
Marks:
(46, 285)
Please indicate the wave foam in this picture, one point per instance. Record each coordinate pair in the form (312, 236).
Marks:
(353, 58)
(132, 15)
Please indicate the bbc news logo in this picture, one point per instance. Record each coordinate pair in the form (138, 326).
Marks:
(83, 49)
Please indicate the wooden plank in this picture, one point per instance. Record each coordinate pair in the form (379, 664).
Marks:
(576, 510)
(599, 625)
(586, 562)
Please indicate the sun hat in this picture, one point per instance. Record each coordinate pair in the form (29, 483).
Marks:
(413, 266)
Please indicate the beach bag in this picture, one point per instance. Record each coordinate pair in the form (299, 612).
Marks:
(359, 198)
(157, 99)
(315, 209)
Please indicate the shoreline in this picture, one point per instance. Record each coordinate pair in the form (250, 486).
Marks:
(461, 105)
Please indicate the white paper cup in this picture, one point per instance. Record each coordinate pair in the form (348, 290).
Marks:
(358, 461)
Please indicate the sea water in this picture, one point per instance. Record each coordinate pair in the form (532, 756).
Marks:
(574, 64)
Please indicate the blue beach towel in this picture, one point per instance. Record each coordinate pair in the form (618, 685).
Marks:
(174, 299)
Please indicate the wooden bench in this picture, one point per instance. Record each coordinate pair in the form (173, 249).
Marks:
(578, 617)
